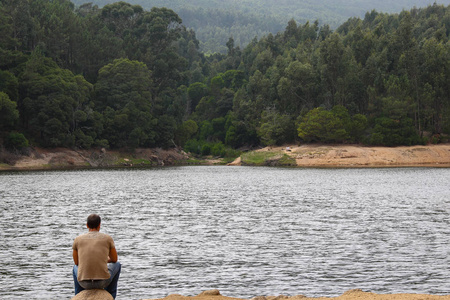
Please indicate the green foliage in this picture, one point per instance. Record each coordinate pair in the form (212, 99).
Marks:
(122, 82)
(276, 129)
(82, 140)
(298, 87)
(16, 141)
(394, 127)
(217, 83)
(9, 84)
(130, 76)
(286, 161)
(192, 146)
(257, 158)
(215, 21)
(165, 131)
(204, 148)
(8, 112)
(196, 92)
(391, 132)
(321, 125)
(185, 132)
(113, 47)
(123, 93)
(357, 127)
(50, 99)
(267, 158)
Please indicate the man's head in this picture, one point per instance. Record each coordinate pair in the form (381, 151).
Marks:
(93, 221)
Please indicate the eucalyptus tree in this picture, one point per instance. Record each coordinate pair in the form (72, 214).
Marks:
(124, 97)
(50, 101)
(9, 115)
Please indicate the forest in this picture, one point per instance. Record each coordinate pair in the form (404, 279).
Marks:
(215, 21)
(121, 77)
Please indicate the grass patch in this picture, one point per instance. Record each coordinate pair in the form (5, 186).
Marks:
(227, 160)
(287, 161)
(267, 159)
(4, 166)
(259, 158)
(194, 161)
(134, 162)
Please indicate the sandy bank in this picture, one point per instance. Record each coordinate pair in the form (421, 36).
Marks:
(304, 156)
(361, 156)
(349, 295)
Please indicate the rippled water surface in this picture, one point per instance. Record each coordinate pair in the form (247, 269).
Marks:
(245, 231)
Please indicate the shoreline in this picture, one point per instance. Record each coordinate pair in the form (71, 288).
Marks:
(355, 294)
(357, 156)
(303, 156)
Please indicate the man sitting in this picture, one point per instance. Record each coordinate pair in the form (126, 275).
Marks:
(95, 258)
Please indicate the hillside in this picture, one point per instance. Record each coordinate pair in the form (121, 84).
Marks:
(214, 22)
(136, 79)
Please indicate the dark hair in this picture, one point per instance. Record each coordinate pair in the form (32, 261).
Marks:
(93, 221)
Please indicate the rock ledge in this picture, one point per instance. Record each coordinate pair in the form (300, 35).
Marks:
(93, 295)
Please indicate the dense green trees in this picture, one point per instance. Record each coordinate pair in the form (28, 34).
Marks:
(52, 101)
(80, 76)
(122, 76)
(276, 129)
(8, 112)
(214, 21)
(335, 125)
(123, 96)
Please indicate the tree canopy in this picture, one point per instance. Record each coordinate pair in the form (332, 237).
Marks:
(215, 21)
(123, 76)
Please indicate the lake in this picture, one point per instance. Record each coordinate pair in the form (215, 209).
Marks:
(246, 231)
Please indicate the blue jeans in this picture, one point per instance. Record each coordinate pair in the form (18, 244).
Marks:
(108, 284)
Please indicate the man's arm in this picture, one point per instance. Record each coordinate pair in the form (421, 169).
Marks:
(75, 257)
(112, 255)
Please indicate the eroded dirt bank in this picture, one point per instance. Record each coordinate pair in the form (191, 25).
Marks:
(39, 158)
(304, 156)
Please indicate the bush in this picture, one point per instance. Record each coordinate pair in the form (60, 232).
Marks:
(192, 146)
(16, 141)
(218, 149)
(434, 139)
(206, 149)
(232, 153)
(320, 125)
(82, 140)
(102, 143)
(376, 139)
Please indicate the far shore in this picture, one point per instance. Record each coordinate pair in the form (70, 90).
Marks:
(307, 155)
(347, 156)
(355, 294)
